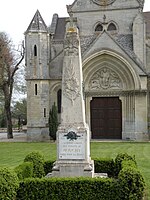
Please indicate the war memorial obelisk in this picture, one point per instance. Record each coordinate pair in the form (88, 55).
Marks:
(73, 142)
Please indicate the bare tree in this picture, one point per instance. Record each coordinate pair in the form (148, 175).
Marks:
(9, 64)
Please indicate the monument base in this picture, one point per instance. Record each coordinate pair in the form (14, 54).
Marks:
(73, 152)
(73, 169)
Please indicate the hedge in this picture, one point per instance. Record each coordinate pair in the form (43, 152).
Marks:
(118, 161)
(69, 189)
(24, 170)
(132, 183)
(128, 185)
(38, 163)
(9, 184)
(48, 166)
(104, 165)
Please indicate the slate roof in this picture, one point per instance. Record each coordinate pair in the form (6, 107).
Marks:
(126, 42)
(60, 29)
(37, 24)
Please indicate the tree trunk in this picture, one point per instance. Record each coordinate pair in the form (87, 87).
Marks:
(8, 93)
(9, 64)
(9, 123)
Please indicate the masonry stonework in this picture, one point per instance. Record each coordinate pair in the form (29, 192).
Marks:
(115, 49)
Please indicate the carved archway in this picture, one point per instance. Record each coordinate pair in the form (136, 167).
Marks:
(55, 94)
(107, 74)
(111, 66)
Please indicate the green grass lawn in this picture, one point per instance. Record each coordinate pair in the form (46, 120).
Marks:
(12, 154)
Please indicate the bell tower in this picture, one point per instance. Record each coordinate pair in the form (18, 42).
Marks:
(37, 76)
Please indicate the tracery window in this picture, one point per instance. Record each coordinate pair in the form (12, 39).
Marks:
(99, 28)
(111, 27)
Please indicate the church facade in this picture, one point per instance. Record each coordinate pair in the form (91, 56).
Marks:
(115, 52)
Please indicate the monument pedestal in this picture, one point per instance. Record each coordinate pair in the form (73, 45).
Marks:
(73, 169)
(73, 153)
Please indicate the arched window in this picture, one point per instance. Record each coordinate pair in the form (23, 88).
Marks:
(99, 28)
(35, 50)
(111, 27)
(59, 100)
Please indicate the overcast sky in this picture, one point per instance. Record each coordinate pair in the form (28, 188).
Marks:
(15, 15)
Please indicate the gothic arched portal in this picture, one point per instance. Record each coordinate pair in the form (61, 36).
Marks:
(110, 85)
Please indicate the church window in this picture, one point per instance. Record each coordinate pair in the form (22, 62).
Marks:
(35, 50)
(111, 27)
(44, 112)
(35, 88)
(59, 100)
(99, 28)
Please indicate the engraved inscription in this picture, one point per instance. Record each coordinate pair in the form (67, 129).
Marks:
(71, 149)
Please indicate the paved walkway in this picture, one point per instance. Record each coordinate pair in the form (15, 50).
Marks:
(18, 137)
(22, 137)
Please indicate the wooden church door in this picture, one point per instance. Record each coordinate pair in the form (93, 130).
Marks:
(106, 118)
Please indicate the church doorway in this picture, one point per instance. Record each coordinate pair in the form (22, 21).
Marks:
(106, 118)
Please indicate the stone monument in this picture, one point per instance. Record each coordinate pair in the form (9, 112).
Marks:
(73, 143)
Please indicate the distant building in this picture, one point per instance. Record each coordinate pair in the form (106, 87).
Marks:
(115, 49)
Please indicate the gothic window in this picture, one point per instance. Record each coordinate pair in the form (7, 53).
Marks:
(111, 27)
(59, 100)
(99, 28)
(35, 89)
(44, 112)
(35, 50)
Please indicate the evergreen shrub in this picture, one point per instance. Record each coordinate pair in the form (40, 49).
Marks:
(9, 184)
(132, 183)
(104, 165)
(24, 170)
(118, 161)
(38, 163)
(48, 165)
(128, 163)
(53, 122)
(68, 189)
(128, 185)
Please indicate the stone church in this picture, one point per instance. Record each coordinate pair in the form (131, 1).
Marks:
(115, 52)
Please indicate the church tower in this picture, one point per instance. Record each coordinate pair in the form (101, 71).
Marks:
(37, 75)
